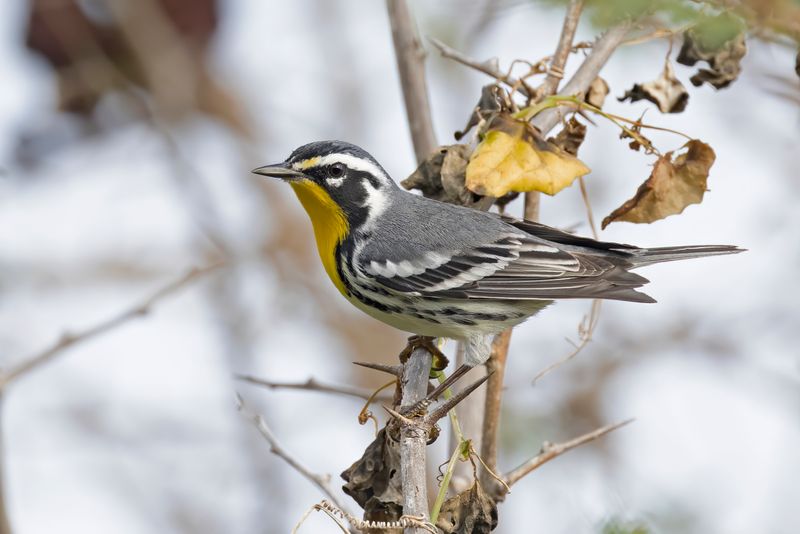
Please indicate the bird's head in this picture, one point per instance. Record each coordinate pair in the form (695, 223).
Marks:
(335, 180)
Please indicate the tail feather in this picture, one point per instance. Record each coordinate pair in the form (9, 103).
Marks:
(648, 256)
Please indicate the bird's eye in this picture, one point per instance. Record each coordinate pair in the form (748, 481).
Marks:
(336, 170)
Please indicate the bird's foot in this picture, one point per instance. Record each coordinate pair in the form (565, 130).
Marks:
(439, 360)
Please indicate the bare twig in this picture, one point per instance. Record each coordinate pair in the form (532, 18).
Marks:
(488, 67)
(441, 410)
(394, 370)
(550, 84)
(68, 340)
(553, 450)
(586, 73)
(496, 367)
(563, 48)
(312, 384)
(585, 332)
(411, 67)
(322, 482)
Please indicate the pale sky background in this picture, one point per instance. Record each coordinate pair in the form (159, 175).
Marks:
(137, 432)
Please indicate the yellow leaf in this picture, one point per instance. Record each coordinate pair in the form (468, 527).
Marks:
(514, 157)
(671, 187)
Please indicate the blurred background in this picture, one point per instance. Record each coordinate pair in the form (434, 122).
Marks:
(127, 132)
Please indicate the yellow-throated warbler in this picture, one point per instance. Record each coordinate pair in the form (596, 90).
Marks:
(440, 270)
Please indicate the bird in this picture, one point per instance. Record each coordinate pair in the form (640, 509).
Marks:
(445, 271)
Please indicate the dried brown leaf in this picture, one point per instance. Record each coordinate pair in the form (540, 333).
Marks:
(494, 99)
(571, 136)
(666, 91)
(374, 481)
(720, 42)
(597, 92)
(469, 512)
(443, 175)
(671, 187)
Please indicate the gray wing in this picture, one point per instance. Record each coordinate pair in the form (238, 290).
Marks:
(516, 265)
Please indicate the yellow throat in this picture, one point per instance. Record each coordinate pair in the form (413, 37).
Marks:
(329, 222)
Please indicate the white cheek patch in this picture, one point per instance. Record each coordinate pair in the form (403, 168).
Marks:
(334, 182)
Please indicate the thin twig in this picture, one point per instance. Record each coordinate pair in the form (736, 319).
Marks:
(488, 67)
(550, 84)
(312, 384)
(553, 450)
(68, 340)
(411, 67)
(320, 481)
(496, 366)
(563, 48)
(585, 332)
(586, 73)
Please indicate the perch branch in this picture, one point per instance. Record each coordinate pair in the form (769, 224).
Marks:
(68, 340)
(416, 369)
(550, 451)
(411, 67)
(414, 437)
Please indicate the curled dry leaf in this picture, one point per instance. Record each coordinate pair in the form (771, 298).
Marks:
(469, 512)
(373, 481)
(570, 137)
(673, 185)
(494, 99)
(442, 176)
(719, 41)
(513, 156)
(597, 92)
(666, 91)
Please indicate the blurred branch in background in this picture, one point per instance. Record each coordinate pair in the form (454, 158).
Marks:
(68, 340)
(552, 450)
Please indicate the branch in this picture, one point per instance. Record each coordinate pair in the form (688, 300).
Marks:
(488, 67)
(312, 384)
(414, 437)
(559, 60)
(68, 340)
(550, 84)
(320, 481)
(411, 67)
(496, 367)
(550, 451)
(585, 75)
(585, 333)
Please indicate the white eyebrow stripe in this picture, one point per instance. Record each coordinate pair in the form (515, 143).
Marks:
(352, 162)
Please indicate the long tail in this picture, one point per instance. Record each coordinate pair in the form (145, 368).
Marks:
(648, 256)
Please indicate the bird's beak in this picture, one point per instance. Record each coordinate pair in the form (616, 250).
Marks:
(279, 170)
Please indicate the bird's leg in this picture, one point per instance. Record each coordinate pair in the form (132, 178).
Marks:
(439, 361)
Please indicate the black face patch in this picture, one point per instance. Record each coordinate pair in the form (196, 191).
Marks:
(346, 187)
